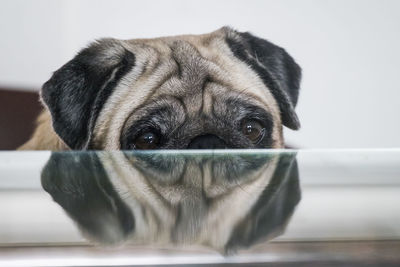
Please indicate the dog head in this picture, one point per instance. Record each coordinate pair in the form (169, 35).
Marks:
(225, 201)
(225, 89)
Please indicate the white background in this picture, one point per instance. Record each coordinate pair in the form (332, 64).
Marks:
(349, 51)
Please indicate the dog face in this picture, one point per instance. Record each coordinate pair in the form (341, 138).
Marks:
(224, 89)
(223, 201)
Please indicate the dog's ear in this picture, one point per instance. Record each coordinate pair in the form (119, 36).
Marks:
(278, 70)
(76, 93)
(272, 211)
(79, 183)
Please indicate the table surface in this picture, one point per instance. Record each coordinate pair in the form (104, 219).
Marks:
(239, 207)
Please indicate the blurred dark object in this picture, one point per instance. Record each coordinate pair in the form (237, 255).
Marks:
(18, 112)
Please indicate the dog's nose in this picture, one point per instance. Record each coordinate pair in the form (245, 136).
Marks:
(207, 141)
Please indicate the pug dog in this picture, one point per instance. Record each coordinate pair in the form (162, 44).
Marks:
(222, 201)
(224, 89)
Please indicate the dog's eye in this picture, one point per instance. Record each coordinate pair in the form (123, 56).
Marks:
(147, 140)
(253, 130)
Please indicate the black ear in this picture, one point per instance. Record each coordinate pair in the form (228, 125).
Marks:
(276, 68)
(80, 185)
(271, 213)
(76, 92)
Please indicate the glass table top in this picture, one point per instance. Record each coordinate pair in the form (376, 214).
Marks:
(122, 208)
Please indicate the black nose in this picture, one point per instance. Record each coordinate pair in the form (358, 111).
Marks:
(207, 141)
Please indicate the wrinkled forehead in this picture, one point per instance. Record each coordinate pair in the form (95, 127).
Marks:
(198, 72)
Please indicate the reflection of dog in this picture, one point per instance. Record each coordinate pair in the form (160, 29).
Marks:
(223, 202)
(225, 89)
